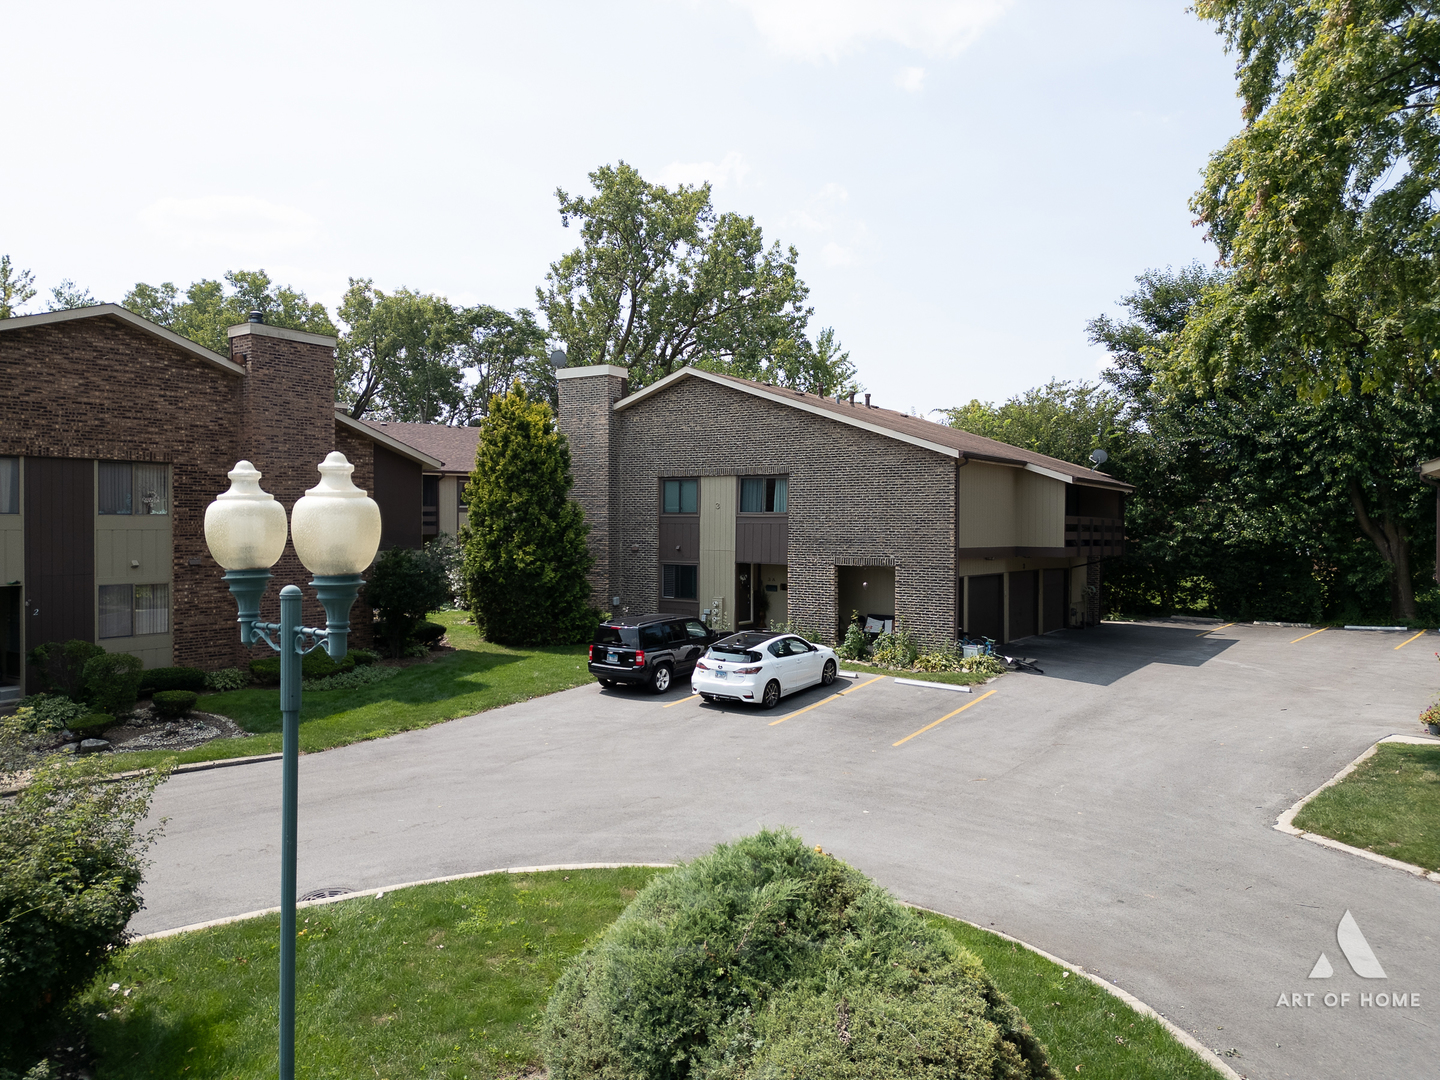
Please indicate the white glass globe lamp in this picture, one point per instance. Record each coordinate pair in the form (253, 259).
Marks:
(244, 526)
(336, 527)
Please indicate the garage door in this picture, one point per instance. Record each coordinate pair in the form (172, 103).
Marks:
(987, 606)
(1024, 601)
(1055, 601)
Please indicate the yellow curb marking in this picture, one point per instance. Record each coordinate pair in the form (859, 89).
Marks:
(947, 716)
(1409, 639)
(1215, 628)
(823, 701)
(1312, 633)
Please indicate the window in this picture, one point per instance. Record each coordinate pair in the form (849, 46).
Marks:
(764, 495)
(653, 636)
(9, 485)
(132, 610)
(682, 496)
(680, 582)
(134, 488)
(696, 630)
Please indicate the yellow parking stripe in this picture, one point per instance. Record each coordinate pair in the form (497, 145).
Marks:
(822, 701)
(1409, 639)
(1214, 628)
(692, 696)
(1312, 633)
(942, 719)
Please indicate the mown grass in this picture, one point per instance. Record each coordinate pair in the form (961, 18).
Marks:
(450, 980)
(1388, 805)
(476, 677)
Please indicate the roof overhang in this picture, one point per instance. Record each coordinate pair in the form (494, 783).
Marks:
(115, 311)
(1429, 471)
(390, 443)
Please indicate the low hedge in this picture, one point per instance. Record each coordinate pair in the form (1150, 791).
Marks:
(112, 682)
(315, 665)
(158, 680)
(91, 726)
(768, 959)
(428, 633)
(173, 704)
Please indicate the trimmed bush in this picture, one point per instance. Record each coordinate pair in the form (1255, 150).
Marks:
(364, 657)
(766, 959)
(349, 680)
(230, 678)
(315, 665)
(405, 585)
(173, 704)
(90, 727)
(112, 682)
(60, 667)
(159, 679)
(428, 633)
(49, 712)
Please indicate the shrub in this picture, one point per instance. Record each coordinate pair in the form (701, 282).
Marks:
(361, 676)
(428, 633)
(768, 959)
(91, 726)
(173, 704)
(70, 871)
(984, 664)
(50, 712)
(896, 649)
(230, 678)
(112, 682)
(364, 657)
(856, 644)
(61, 667)
(406, 585)
(172, 678)
(937, 661)
(315, 665)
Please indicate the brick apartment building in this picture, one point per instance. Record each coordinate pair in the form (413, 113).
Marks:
(116, 433)
(758, 504)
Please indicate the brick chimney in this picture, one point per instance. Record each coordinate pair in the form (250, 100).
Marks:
(587, 417)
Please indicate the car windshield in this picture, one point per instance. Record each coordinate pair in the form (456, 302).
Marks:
(628, 636)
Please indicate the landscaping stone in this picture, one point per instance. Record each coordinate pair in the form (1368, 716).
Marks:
(93, 746)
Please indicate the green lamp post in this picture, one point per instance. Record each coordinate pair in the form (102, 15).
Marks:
(336, 532)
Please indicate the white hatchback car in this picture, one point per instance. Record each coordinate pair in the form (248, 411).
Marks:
(760, 667)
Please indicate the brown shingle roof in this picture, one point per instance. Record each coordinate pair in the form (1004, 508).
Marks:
(454, 447)
(902, 425)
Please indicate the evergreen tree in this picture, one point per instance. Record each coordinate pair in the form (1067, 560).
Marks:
(525, 555)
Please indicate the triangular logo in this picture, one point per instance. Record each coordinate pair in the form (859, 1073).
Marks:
(1356, 949)
(1322, 968)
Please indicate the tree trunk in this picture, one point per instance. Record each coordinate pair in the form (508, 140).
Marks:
(1393, 543)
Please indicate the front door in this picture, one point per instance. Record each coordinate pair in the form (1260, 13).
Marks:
(59, 550)
(744, 605)
(10, 671)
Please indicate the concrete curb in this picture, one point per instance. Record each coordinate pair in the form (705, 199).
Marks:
(1184, 1037)
(188, 767)
(1284, 823)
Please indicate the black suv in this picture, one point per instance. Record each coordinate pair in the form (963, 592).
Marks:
(648, 649)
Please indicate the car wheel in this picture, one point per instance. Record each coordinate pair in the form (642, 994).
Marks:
(660, 680)
(827, 676)
(772, 695)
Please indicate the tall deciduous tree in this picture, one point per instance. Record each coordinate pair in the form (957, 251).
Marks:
(525, 555)
(396, 357)
(209, 308)
(1062, 419)
(68, 295)
(17, 287)
(661, 280)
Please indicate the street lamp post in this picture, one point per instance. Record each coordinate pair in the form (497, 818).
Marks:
(336, 532)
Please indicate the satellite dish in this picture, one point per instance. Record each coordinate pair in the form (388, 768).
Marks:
(1099, 457)
(558, 359)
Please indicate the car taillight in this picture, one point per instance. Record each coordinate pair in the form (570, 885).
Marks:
(701, 665)
(639, 657)
(747, 671)
(592, 654)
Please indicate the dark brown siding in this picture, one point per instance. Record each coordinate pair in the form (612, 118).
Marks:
(680, 540)
(762, 539)
(1023, 600)
(397, 493)
(59, 550)
(987, 606)
(1056, 601)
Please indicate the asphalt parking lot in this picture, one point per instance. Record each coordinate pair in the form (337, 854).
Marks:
(1116, 811)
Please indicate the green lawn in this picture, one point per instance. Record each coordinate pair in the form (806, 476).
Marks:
(450, 981)
(476, 677)
(1388, 805)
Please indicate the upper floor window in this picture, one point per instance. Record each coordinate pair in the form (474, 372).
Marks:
(764, 495)
(681, 496)
(9, 485)
(134, 488)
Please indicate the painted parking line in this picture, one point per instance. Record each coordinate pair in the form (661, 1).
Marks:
(1215, 628)
(823, 701)
(1312, 633)
(692, 696)
(942, 719)
(1410, 639)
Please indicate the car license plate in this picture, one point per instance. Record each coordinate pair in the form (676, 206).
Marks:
(722, 675)
(612, 658)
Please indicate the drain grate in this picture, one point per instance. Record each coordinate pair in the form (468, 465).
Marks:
(326, 893)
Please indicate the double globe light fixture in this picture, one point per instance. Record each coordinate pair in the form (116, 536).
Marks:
(335, 528)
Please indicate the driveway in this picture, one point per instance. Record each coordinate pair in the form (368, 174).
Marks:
(1115, 811)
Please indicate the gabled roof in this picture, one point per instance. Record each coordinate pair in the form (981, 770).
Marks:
(375, 434)
(115, 311)
(453, 447)
(940, 438)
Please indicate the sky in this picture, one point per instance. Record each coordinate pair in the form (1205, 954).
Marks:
(968, 182)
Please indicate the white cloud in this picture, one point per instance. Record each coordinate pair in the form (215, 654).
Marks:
(826, 219)
(827, 29)
(241, 223)
(732, 168)
(910, 79)
(820, 213)
(834, 254)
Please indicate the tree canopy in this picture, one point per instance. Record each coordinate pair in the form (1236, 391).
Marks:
(209, 308)
(1062, 419)
(17, 287)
